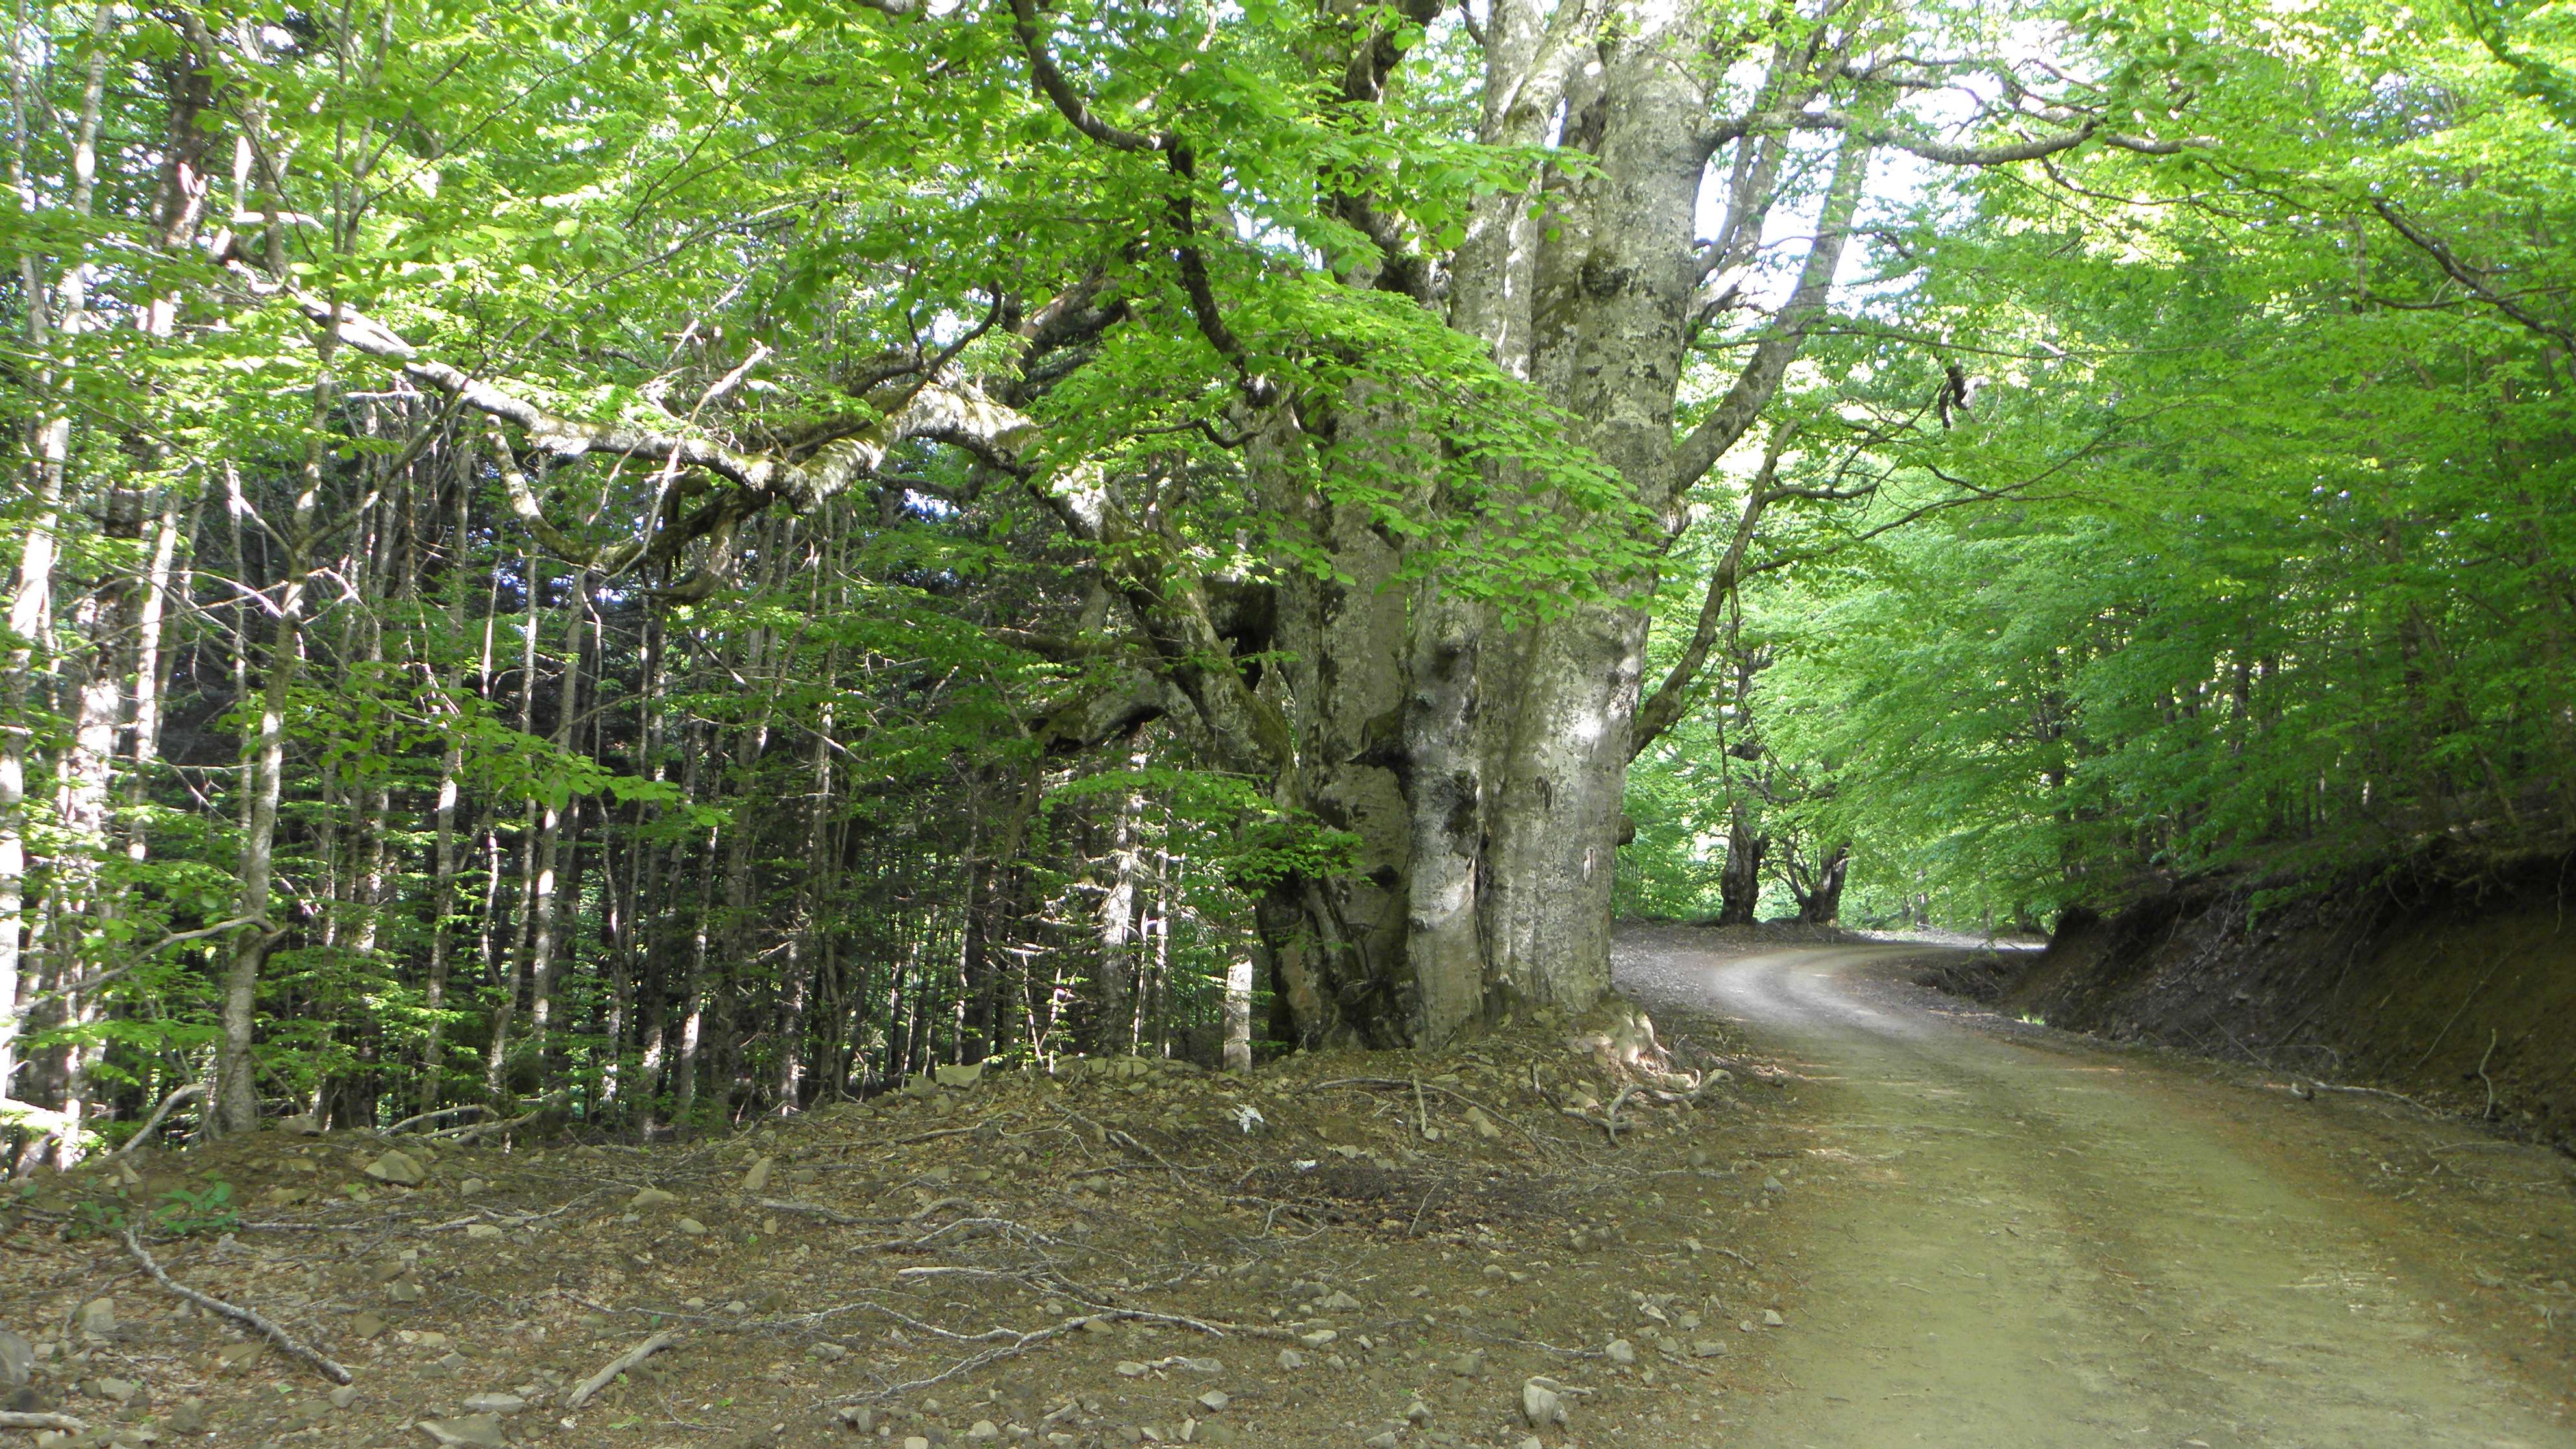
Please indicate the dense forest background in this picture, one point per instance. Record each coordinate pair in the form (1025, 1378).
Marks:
(510, 601)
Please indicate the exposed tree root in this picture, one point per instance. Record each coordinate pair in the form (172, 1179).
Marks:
(12, 1419)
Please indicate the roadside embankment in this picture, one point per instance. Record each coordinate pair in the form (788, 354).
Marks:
(2459, 994)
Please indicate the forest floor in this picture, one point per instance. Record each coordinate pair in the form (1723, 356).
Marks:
(1875, 1226)
(1336, 1249)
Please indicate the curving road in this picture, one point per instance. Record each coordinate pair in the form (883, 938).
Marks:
(2056, 1246)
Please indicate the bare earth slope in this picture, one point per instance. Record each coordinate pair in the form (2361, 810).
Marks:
(2037, 1242)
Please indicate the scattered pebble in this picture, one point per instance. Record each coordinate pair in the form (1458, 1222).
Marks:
(397, 1168)
(476, 1431)
(1540, 1405)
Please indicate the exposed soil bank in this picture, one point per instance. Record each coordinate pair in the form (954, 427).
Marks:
(2459, 995)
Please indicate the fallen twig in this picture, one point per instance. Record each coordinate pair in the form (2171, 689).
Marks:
(2377, 1092)
(1494, 1112)
(473, 1130)
(507, 1220)
(1540, 1345)
(12, 1419)
(2487, 1113)
(1108, 1135)
(153, 1123)
(262, 1326)
(2455, 1017)
(999, 1227)
(1014, 1349)
(410, 1122)
(830, 1215)
(620, 1364)
(969, 1130)
(1018, 1343)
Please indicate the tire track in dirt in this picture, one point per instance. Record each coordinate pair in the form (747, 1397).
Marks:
(2050, 1245)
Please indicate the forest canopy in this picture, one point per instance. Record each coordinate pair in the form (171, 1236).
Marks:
(661, 563)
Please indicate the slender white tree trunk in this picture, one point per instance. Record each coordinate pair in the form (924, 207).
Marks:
(55, 310)
(236, 1069)
(1238, 1014)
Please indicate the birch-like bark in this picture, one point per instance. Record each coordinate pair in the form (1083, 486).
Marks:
(550, 830)
(1238, 1014)
(236, 1070)
(505, 1014)
(444, 862)
(55, 309)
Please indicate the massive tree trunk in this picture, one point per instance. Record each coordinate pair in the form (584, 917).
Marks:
(1820, 893)
(1739, 883)
(1481, 757)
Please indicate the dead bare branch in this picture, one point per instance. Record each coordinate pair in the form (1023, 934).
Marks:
(256, 1323)
(591, 1386)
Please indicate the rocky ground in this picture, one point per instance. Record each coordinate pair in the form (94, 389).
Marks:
(1546, 1236)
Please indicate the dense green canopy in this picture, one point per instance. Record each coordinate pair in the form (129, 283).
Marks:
(2282, 580)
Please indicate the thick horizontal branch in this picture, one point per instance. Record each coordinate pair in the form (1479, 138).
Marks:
(800, 484)
(1951, 153)
(937, 410)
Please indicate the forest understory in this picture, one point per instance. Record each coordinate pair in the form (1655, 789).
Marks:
(1337, 1247)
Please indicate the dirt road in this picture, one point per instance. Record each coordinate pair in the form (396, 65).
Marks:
(2041, 1244)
